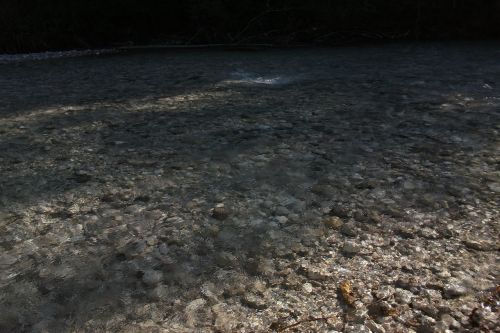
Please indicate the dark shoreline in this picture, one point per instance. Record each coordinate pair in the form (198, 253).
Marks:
(165, 47)
(27, 26)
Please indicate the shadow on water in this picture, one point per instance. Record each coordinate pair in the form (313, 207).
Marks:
(112, 166)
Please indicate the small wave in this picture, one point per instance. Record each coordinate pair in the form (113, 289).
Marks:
(15, 58)
(244, 77)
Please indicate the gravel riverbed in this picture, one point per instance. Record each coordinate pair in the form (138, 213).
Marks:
(353, 189)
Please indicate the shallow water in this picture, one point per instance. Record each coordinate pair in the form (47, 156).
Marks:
(205, 190)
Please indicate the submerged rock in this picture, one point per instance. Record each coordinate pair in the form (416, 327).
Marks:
(254, 301)
(351, 248)
(333, 222)
(452, 290)
(220, 213)
(152, 277)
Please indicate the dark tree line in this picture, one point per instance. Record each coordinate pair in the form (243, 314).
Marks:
(34, 25)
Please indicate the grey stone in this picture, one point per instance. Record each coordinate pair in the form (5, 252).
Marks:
(374, 327)
(261, 266)
(447, 321)
(486, 318)
(307, 287)
(495, 187)
(384, 292)
(152, 277)
(298, 206)
(453, 290)
(425, 307)
(349, 229)
(351, 248)
(158, 293)
(315, 273)
(282, 219)
(194, 311)
(224, 259)
(480, 245)
(225, 320)
(333, 222)
(254, 301)
(281, 211)
(339, 211)
(220, 213)
(357, 328)
(323, 190)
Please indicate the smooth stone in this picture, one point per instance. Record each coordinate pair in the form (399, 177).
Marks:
(158, 293)
(152, 277)
(349, 229)
(282, 219)
(220, 213)
(333, 222)
(307, 287)
(224, 259)
(453, 290)
(254, 301)
(351, 248)
(339, 211)
(384, 292)
(281, 211)
(479, 245)
(495, 187)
